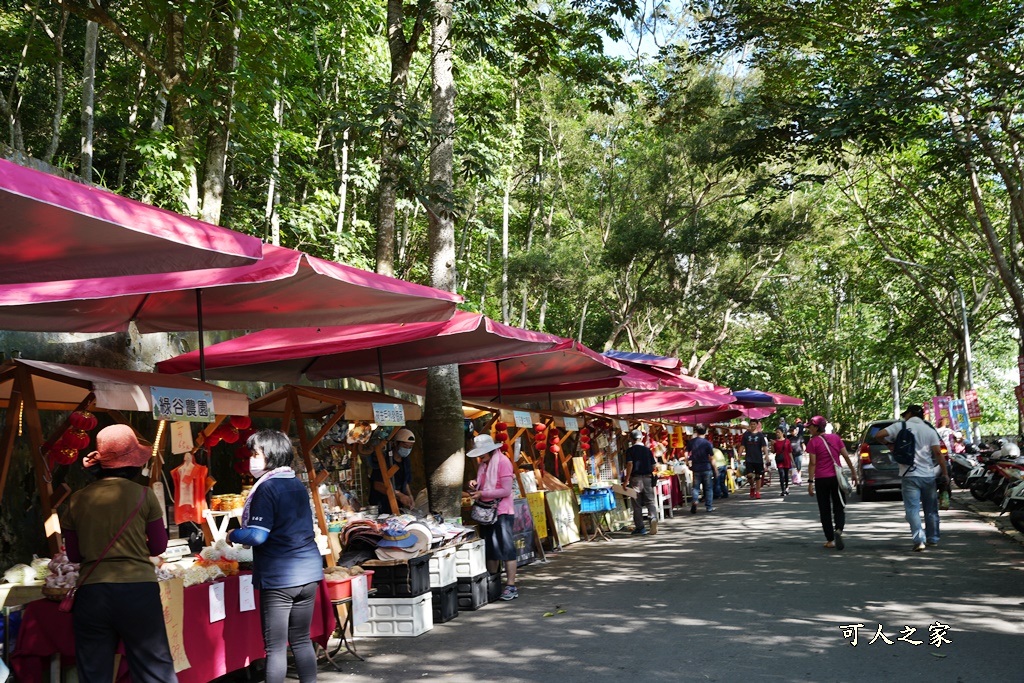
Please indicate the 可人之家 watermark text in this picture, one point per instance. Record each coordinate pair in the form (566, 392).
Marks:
(937, 633)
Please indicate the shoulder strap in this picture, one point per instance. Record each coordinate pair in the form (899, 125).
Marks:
(83, 577)
(831, 454)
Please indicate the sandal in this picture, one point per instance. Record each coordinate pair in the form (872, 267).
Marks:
(830, 544)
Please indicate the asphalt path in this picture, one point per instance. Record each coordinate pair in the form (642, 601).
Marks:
(744, 593)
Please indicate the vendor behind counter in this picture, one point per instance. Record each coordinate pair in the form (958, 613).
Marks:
(396, 452)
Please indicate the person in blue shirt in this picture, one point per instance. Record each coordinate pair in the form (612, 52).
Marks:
(399, 453)
(701, 455)
(277, 522)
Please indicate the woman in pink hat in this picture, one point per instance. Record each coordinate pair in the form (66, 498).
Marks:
(113, 526)
(822, 483)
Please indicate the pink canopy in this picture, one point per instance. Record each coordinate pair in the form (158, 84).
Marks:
(753, 398)
(660, 403)
(720, 414)
(570, 362)
(332, 352)
(547, 392)
(286, 289)
(56, 229)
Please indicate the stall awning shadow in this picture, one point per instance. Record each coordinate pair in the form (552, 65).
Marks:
(57, 229)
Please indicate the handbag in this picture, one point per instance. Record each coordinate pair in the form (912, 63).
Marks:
(68, 602)
(844, 484)
(484, 511)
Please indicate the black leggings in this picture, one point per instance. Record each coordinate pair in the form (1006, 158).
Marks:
(287, 614)
(784, 478)
(106, 613)
(830, 504)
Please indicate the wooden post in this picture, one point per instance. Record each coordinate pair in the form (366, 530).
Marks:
(51, 524)
(10, 432)
(307, 458)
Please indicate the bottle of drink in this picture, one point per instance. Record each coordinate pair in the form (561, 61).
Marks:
(944, 500)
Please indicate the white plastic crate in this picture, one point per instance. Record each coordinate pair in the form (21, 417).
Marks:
(398, 617)
(442, 567)
(470, 559)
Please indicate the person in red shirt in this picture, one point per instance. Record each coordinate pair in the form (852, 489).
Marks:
(783, 450)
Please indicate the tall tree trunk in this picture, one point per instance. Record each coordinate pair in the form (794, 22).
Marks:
(444, 458)
(392, 141)
(226, 22)
(181, 105)
(504, 251)
(271, 214)
(58, 87)
(133, 118)
(92, 33)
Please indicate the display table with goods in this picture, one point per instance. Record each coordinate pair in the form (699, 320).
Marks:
(213, 628)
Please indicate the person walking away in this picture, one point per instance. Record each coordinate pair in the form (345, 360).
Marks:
(113, 526)
(493, 481)
(640, 477)
(721, 474)
(754, 445)
(920, 481)
(701, 456)
(783, 459)
(822, 483)
(277, 522)
(796, 442)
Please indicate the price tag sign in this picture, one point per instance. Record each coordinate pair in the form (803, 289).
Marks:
(182, 404)
(522, 418)
(246, 595)
(360, 604)
(571, 425)
(389, 414)
(623, 426)
(218, 606)
(181, 437)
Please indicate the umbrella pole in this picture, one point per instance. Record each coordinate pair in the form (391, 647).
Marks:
(380, 368)
(202, 348)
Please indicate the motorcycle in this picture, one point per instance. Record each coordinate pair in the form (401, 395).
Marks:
(991, 479)
(1013, 503)
(960, 467)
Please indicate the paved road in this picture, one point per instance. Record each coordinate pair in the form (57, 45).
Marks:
(744, 594)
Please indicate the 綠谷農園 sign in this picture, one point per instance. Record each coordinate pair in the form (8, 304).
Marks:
(183, 405)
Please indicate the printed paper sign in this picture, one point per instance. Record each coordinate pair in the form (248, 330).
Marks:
(360, 602)
(973, 406)
(389, 414)
(218, 610)
(246, 596)
(623, 426)
(522, 418)
(571, 425)
(181, 438)
(182, 404)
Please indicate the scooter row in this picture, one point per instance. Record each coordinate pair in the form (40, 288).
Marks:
(998, 476)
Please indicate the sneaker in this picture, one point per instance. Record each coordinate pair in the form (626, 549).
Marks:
(711, 509)
(654, 527)
(693, 509)
(639, 532)
(839, 540)
(757, 495)
(919, 547)
(510, 593)
(931, 544)
(830, 544)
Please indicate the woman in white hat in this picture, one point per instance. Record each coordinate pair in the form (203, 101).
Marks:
(494, 482)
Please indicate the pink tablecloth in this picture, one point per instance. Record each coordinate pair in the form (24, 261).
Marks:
(212, 649)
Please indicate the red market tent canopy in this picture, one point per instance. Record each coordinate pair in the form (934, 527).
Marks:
(669, 371)
(720, 414)
(352, 351)
(633, 380)
(752, 398)
(285, 289)
(660, 403)
(57, 229)
(571, 362)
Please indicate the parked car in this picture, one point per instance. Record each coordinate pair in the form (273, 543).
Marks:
(876, 469)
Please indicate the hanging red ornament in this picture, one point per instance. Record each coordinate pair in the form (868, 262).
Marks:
(584, 438)
(75, 439)
(540, 427)
(555, 448)
(501, 426)
(240, 421)
(501, 437)
(585, 446)
(229, 435)
(505, 448)
(66, 455)
(585, 431)
(212, 440)
(554, 439)
(241, 466)
(83, 420)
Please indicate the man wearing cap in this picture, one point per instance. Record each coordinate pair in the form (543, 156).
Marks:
(755, 445)
(401, 449)
(700, 454)
(918, 481)
(639, 477)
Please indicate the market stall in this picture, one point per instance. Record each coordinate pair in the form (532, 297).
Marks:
(28, 387)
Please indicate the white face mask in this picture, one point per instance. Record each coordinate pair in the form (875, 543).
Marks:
(257, 466)
(404, 452)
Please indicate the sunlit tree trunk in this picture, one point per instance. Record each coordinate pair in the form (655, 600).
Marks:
(92, 32)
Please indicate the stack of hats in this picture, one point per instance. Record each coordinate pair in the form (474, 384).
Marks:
(403, 541)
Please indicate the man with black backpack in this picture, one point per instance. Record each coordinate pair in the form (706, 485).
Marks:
(916, 448)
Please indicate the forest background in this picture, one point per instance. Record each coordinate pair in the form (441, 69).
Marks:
(720, 181)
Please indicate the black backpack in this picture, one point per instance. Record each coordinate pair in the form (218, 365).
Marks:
(904, 448)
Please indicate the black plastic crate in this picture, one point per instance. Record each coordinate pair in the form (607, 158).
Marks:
(472, 591)
(407, 579)
(445, 602)
(494, 587)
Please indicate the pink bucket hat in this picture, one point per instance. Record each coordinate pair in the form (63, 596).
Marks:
(819, 422)
(117, 446)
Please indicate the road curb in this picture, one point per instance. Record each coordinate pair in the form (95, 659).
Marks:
(987, 512)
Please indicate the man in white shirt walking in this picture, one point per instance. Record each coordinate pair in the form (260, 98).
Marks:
(918, 481)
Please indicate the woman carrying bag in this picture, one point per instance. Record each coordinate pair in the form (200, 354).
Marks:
(113, 527)
(823, 482)
(494, 483)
